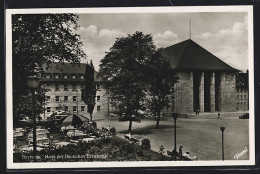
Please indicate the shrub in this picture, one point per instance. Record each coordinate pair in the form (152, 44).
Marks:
(146, 144)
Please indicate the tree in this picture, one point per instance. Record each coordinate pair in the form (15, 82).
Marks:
(123, 68)
(160, 80)
(38, 40)
(89, 92)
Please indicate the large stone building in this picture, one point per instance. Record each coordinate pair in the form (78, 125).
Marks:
(242, 91)
(64, 83)
(205, 82)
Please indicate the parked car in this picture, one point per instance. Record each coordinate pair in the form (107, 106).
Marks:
(244, 116)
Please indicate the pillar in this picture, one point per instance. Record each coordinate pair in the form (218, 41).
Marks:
(201, 92)
(212, 92)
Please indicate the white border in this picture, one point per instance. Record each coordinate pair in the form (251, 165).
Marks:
(11, 165)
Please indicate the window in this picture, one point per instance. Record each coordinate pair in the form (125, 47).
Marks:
(98, 98)
(65, 98)
(57, 76)
(74, 98)
(66, 108)
(56, 87)
(74, 87)
(241, 97)
(48, 85)
(48, 109)
(237, 97)
(57, 98)
(98, 108)
(48, 76)
(74, 108)
(98, 86)
(81, 77)
(244, 97)
(65, 87)
(82, 108)
(82, 85)
(48, 98)
(65, 76)
(73, 76)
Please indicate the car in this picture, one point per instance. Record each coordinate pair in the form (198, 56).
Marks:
(244, 116)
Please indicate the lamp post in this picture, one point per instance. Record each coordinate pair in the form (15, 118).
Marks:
(33, 84)
(222, 130)
(175, 116)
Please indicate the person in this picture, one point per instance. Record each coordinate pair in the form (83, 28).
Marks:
(198, 112)
(108, 128)
(218, 115)
(180, 151)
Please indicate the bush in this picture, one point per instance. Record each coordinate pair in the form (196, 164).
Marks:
(113, 131)
(112, 149)
(146, 144)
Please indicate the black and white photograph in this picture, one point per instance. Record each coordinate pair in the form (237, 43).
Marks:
(130, 87)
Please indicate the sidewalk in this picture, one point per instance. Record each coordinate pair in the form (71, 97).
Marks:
(214, 115)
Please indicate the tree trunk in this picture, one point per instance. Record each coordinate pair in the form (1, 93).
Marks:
(158, 120)
(90, 117)
(130, 126)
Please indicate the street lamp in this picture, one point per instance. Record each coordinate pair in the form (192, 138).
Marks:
(222, 130)
(175, 116)
(33, 84)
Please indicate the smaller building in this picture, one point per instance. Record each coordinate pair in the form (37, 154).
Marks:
(242, 91)
(63, 82)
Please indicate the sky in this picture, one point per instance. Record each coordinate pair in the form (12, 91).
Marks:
(224, 34)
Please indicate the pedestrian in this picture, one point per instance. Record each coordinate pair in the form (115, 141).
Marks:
(198, 112)
(218, 115)
(180, 151)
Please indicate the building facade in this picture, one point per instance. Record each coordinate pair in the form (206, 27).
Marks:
(242, 91)
(63, 83)
(205, 82)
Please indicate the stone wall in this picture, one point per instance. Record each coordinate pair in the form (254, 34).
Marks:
(183, 95)
(228, 92)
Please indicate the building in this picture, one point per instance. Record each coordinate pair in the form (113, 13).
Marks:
(242, 91)
(63, 83)
(206, 83)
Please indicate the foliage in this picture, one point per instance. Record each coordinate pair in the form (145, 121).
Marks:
(123, 68)
(160, 79)
(89, 92)
(24, 105)
(113, 149)
(146, 144)
(38, 40)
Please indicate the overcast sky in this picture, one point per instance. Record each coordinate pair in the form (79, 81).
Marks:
(223, 34)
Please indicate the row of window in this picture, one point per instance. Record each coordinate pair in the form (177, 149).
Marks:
(65, 86)
(241, 97)
(242, 105)
(242, 90)
(64, 76)
(74, 108)
(66, 98)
